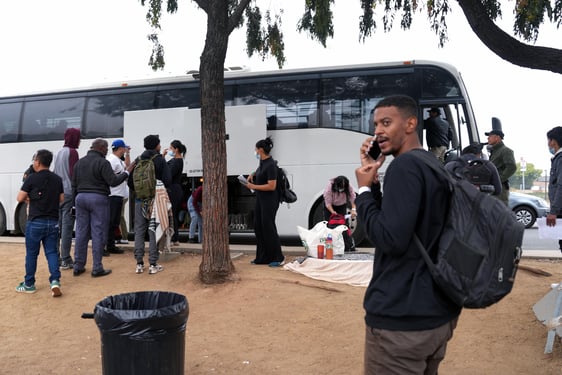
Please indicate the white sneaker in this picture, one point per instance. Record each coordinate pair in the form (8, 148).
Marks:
(155, 268)
(140, 268)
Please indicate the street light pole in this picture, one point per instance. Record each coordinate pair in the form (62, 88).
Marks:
(523, 169)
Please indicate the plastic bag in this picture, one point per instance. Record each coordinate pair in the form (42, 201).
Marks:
(317, 235)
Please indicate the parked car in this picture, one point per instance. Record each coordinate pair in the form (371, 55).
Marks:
(527, 208)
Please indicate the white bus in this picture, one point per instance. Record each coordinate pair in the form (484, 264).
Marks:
(317, 118)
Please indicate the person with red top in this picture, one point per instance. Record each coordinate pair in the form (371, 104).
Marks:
(194, 206)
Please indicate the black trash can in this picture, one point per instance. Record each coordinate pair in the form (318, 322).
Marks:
(142, 333)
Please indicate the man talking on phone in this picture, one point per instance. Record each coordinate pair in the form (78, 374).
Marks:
(408, 319)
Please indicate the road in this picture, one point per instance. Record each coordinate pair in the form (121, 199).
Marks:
(531, 241)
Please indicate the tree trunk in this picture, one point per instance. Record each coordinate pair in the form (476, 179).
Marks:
(216, 265)
(506, 46)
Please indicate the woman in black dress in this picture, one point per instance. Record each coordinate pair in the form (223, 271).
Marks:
(176, 152)
(264, 182)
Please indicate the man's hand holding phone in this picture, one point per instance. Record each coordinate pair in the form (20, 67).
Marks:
(371, 161)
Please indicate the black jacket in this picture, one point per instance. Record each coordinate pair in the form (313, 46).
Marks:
(402, 295)
(93, 174)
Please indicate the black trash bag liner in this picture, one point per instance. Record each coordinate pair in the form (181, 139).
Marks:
(142, 333)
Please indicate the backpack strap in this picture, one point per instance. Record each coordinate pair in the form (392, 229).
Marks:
(432, 162)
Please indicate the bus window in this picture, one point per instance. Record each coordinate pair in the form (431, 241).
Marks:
(438, 83)
(47, 120)
(188, 97)
(104, 114)
(351, 99)
(291, 102)
(9, 122)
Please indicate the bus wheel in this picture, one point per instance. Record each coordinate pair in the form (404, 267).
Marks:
(317, 214)
(2, 220)
(22, 217)
(358, 234)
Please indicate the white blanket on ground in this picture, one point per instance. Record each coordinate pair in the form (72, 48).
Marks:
(352, 272)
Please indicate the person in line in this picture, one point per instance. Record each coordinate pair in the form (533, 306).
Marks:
(264, 182)
(486, 177)
(91, 180)
(117, 194)
(554, 137)
(176, 152)
(63, 166)
(194, 205)
(408, 319)
(437, 134)
(503, 159)
(143, 208)
(337, 195)
(43, 191)
(123, 235)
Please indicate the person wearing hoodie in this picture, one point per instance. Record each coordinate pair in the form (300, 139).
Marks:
(63, 166)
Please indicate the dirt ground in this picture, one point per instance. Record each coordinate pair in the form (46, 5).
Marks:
(271, 321)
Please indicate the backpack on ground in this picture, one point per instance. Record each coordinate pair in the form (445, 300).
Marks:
(286, 194)
(144, 178)
(479, 247)
(337, 220)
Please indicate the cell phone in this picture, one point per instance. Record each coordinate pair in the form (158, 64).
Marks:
(374, 150)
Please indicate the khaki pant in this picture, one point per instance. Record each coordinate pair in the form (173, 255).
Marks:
(406, 352)
(439, 152)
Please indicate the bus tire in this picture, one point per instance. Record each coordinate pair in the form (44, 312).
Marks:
(21, 218)
(2, 220)
(359, 236)
(317, 213)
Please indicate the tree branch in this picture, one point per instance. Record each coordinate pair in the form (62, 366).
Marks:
(234, 18)
(507, 47)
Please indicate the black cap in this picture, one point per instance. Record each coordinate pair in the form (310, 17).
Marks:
(495, 132)
(474, 148)
(435, 109)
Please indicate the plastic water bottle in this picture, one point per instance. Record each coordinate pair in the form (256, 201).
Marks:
(329, 247)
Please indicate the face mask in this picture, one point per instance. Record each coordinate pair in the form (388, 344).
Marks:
(256, 155)
(171, 153)
(552, 150)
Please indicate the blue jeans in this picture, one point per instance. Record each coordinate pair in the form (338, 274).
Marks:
(43, 230)
(196, 222)
(92, 221)
(66, 223)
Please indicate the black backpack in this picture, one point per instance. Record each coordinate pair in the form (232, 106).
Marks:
(479, 247)
(286, 194)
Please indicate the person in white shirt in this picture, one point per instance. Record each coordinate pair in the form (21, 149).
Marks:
(117, 194)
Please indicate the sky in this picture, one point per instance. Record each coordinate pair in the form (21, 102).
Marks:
(74, 43)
